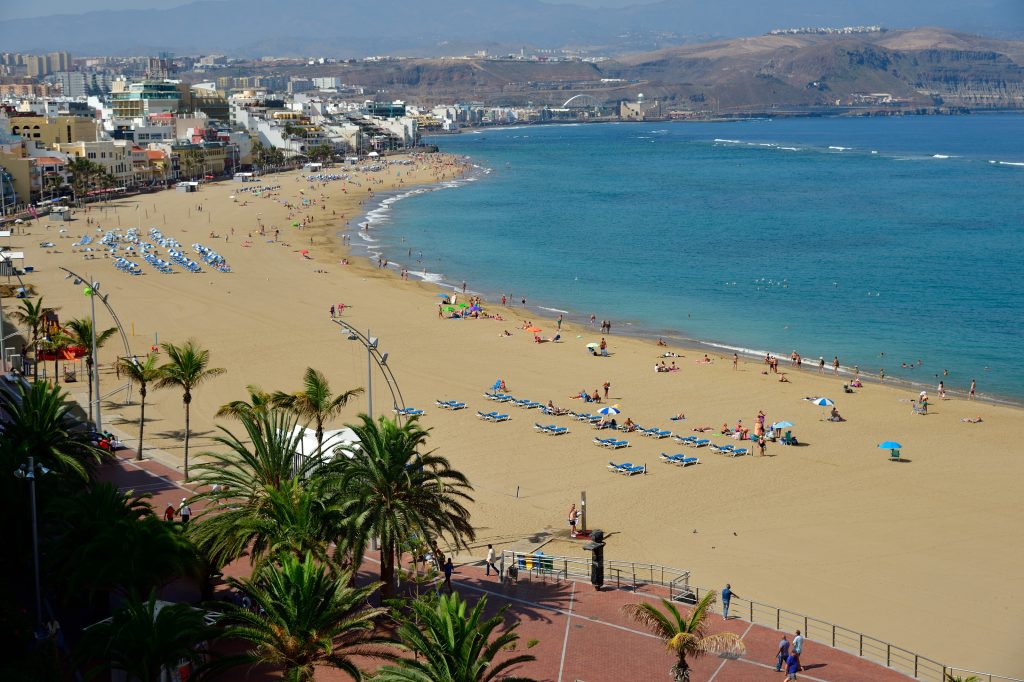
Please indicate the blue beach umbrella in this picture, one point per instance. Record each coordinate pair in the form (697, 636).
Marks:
(608, 411)
(824, 402)
(783, 425)
(442, 295)
(890, 445)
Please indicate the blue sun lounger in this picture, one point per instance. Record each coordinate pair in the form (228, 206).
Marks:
(633, 470)
(486, 415)
(408, 411)
(659, 434)
(699, 443)
(684, 440)
(686, 461)
(612, 466)
(603, 442)
(499, 418)
(738, 452)
(616, 444)
(722, 449)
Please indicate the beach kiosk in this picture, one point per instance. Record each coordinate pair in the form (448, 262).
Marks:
(60, 214)
(187, 186)
(244, 177)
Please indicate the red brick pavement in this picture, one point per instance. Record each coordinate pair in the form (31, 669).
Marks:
(581, 634)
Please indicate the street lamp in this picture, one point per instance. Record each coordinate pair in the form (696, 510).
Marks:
(373, 355)
(28, 472)
(3, 339)
(92, 292)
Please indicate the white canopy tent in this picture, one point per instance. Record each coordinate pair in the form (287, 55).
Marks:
(333, 442)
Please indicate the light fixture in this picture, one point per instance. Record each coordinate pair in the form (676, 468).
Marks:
(372, 342)
(384, 359)
(77, 281)
(67, 276)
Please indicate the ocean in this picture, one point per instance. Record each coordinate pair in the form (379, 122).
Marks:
(893, 243)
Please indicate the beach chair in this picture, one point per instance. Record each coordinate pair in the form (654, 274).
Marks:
(738, 452)
(486, 415)
(633, 470)
(647, 432)
(542, 428)
(499, 418)
(616, 444)
(556, 430)
(684, 440)
(699, 443)
(521, 403)
(533, 404)
(444, 404)
(455, 405)
(722, 449)
(409, 412)
(660, 434)
(686, 461)
(603, 442)
(670, 459)
(612, 466)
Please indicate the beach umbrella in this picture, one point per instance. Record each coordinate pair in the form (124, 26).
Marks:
(534, 330)
(442, 295)
(463, 305)
(890, 445)
(295, 224)
(823, 402)
(449, 308)
(608, 411)
(783, 425)
(304, 252)
(593, 345)
(474, 308)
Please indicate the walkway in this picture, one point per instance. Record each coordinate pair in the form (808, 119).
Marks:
(581, 634)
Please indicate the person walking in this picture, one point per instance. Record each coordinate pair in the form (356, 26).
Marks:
(185, 512)
(606, 386)
(558, 322)
(821, 365)
(798, 649)
(332, 312)
(792, 666)
(169, 512)
(783, 654)
(727, 595)
(735, 361)
(490, 562)
(835, 365)
(974, 386)
(573, 518)
(448, 568)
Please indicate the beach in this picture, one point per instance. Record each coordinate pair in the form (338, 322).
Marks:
(830, 528)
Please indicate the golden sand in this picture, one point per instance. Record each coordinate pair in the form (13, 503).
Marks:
(925, 553)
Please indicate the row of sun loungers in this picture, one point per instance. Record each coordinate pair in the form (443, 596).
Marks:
(627, 469)
(613, 443)
(451, 405)
(550, 429)
(492, 416)
(408, 412)
(125, 265)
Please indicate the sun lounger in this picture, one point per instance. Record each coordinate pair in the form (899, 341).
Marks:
(541, 427)
(699, 443)
(738, 452)
(685, 440)
(612, 466)
(603, 442)
(486, 415)
(557, 430)
(499, 418)
(660, 434)
(686, 461)
(521, 403)
(647, 432)
(616, 444)
(455, 405)
(722, 449)
(670, 458)
(633, 470)
(533, 404)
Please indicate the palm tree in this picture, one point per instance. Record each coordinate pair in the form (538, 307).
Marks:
(84, 174)
(259, 403)
(950, 677)
(145, 373)
(56, 342)
(293, 519)
(310, 617)
(187, 368)
(142, 641)
(81, 335)
(393, 492)
(315, 403)
(38, 424)
(32, 315)
(451, 646)
(108, 540)
(685, 635)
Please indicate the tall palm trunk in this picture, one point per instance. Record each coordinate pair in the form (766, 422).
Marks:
(142, 420)
(387, 572)
(188, 402)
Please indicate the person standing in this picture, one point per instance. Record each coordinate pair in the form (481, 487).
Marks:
(573, 518)
(448, 568)
(727, 595)
(821, 364)
(974, 386)
(169, 512)
(735, 361)
(798, 649)
(835, 365)
(558, 323)
(332, 311)
(606, 386)
(783, 654)
(490, 562)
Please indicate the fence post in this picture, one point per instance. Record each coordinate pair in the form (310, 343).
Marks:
(915, 665)
(861, 645)
(833, 635)
(778, 619)
(751, 611)
(806, 633)
(888, 655)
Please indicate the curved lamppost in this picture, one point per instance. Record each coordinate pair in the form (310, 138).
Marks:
(93, 293)
(373, 355)
(29, 472)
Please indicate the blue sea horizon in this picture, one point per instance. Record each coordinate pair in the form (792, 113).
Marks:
(892, 243)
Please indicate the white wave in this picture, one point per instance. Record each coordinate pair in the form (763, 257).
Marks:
(790, 149)
(1011, 163)
(554, 310)
(722, 139)
(427, 277)
(940, 156)
(839, 149)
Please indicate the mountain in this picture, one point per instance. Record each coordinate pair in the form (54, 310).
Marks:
(343, 28)
(923, 68)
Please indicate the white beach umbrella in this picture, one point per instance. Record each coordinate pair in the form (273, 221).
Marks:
(609, 411)
(824, 402)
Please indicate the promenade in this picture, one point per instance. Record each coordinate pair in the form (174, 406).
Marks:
(581, 634)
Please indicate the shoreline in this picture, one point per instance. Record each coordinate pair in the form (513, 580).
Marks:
(639, 331)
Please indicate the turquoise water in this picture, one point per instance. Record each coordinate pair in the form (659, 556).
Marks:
(883, 241)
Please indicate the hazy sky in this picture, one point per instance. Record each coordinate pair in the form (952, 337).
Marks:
(11, 9)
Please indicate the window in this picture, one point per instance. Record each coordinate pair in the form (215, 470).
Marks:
(91, 155)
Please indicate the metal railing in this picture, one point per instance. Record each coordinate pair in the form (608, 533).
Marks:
(634, 575)
(623, 573)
